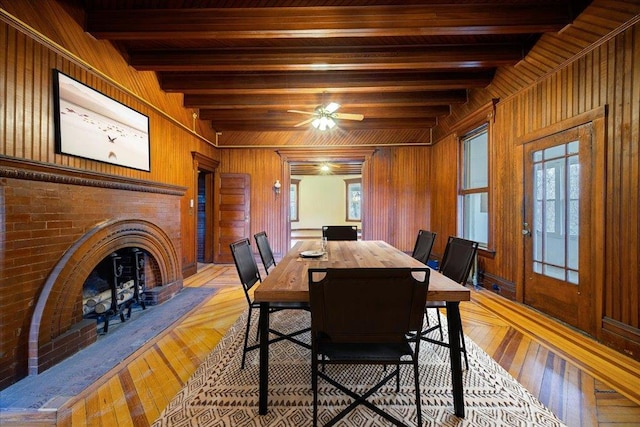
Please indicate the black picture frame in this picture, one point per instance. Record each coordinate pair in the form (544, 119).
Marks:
(93, 126)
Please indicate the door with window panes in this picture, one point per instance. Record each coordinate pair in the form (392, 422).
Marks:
(557, 225)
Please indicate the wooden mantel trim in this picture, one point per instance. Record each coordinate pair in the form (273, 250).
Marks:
(46, 172)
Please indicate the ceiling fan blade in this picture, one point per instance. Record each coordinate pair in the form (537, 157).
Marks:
(348, 116)
(302, 112)
(333, 106)
(304, 122)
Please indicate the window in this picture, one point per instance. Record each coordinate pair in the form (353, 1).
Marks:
(353, 199)
(293, 200)
(474, 191)
(556, 215)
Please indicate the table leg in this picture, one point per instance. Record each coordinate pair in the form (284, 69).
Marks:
(455, 326)
(264, 357)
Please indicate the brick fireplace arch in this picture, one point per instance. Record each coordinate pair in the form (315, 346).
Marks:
(57, 326)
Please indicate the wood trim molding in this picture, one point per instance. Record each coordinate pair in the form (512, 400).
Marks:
(486, 113)
(46, 172)
(324, 154)
(497, 285)
(621, 336)
(206, 162)
(580, 119)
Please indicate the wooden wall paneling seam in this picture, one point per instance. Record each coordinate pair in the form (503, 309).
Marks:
(599, 203)
(285, 200)
(616, 105)
(635, 141)
(632, 156)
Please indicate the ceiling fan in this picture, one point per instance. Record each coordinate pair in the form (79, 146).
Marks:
(324, 116)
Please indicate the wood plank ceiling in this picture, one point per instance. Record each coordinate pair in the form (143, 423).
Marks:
(241, 64)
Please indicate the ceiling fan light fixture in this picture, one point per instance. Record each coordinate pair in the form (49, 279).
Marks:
(323, 123)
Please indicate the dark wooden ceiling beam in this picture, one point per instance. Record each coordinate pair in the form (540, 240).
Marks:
(335, 59)
(244, 63)
(310, 101)
(258, 124)
(282, 114)
(326, 22)
(345, 82)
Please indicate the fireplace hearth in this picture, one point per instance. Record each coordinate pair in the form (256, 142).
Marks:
(144, 270)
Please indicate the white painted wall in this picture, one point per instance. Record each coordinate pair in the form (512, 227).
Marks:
(322, 201)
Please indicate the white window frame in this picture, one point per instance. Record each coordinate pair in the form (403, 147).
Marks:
(466, 191)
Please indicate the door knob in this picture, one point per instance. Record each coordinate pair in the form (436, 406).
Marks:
(525, 230)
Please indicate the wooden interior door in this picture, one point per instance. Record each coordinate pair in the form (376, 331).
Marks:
(557, 226)
(232, 212)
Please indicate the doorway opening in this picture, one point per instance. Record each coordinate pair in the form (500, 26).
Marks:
(203, 215)
(324, 193)
(303, 164)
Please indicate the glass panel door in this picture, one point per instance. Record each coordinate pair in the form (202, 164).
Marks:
(556, 230)
(556, 216)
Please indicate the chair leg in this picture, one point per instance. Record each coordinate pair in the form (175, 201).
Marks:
(246, 338)
(257, 334)
(314, 387)
(463, 346)
(439, 324)
(464, 350)
(416, 379)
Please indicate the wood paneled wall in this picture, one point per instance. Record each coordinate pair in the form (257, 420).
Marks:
(52, 39)
(397, 195)
(444, 192)
(55, 40)
(268, 210)
(602, 75)
(395, 185)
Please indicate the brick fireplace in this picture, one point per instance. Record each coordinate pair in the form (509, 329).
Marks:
(56, 225)
(58, 328)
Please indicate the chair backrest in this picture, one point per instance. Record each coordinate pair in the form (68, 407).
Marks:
(340, 232)
(245, 263)
(266, 255)
(366, 305)
(424, 243)
(458, 258)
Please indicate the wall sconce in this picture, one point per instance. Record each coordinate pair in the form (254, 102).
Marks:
(276, 186)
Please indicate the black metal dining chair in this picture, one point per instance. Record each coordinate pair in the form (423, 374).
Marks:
(264, 249)
(423, 246)
(340, 232)
(457, 261)
(249, 276)
(366, 316)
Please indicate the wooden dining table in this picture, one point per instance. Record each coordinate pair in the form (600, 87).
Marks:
(288, 282)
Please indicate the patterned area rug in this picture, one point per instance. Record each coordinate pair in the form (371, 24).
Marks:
(221, 394)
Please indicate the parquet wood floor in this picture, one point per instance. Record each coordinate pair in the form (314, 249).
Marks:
(136, 392)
